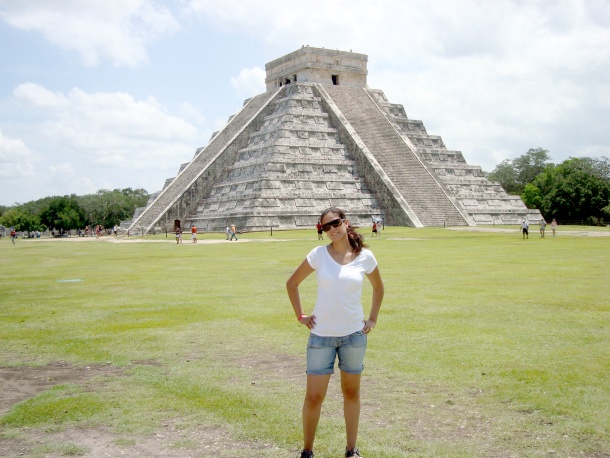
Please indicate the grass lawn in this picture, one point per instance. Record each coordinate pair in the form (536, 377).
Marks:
(487, 345)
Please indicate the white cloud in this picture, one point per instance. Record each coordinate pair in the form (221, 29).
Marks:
(249, 82)
(112, 129)
(68, 178)
(493, 78)
(64, 169)
(89, 141)
(39, 96)
(190, 112)
(95, 29)
(16, 159)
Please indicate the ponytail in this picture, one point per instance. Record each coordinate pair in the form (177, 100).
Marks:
(355, 239)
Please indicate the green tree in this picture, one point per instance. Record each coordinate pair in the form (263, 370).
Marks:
(506, 175)
(576, 189)
(104, 207)
(530, 165)
(63, 213)
(111, 207)
(34, 207)
(532, 196)
(515, 174)
(20, 220)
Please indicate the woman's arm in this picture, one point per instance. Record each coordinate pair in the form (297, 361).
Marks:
(292, 286)
(378, 290)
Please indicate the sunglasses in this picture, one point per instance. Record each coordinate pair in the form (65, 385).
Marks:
(334, 223)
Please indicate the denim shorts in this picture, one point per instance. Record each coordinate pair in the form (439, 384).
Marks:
(322, 352)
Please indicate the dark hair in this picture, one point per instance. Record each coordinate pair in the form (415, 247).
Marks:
(356, 240)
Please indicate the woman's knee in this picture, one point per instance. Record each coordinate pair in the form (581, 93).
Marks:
(350, 386)
(351, 392)
(314, 398)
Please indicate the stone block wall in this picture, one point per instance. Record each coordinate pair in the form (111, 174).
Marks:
(317, 65)
(292, 168)
(180, 197)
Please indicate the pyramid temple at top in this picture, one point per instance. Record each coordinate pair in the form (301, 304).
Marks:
(320, 137)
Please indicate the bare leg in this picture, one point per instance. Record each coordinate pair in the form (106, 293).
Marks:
(317, 385)
(350, 386)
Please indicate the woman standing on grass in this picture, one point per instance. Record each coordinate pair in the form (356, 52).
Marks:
(337, 325)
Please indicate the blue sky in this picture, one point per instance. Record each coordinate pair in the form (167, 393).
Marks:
(118, 93)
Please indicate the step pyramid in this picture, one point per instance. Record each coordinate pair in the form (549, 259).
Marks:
(319, 137)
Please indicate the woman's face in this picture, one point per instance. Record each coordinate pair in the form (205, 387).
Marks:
(334, 233)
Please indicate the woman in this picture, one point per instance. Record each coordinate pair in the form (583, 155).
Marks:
(337, 325)
(554, 226)
(542, 227)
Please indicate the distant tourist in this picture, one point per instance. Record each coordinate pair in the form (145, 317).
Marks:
(337, 325)
(525, 229)
(233, 233)
(554, 226)
(13, 235)
(98, 231)
(115, 229)
(542, 227)
(319, 229)
(194, 233)
(375, 233)
(178, 235)
(227, 232)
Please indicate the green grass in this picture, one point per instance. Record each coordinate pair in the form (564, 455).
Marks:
(487, 344)
(62, 449)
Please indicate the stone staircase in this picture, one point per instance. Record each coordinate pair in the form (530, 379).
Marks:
(485, 202)
(292, 168)
(410, 176)
(179, 198)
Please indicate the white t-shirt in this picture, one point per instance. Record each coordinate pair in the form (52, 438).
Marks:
(338, 309)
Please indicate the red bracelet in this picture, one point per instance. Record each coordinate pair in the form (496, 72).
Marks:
(301, 316)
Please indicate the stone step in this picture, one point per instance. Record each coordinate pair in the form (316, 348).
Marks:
(414, 182)
(180, 184)
(442, 161)
(288, 164)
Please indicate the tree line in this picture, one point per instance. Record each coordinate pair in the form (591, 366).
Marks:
(63, 213)
(578, 189)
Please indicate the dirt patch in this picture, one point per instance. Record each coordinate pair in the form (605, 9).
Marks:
(24, 382)
(273, 367)
(171, 440)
